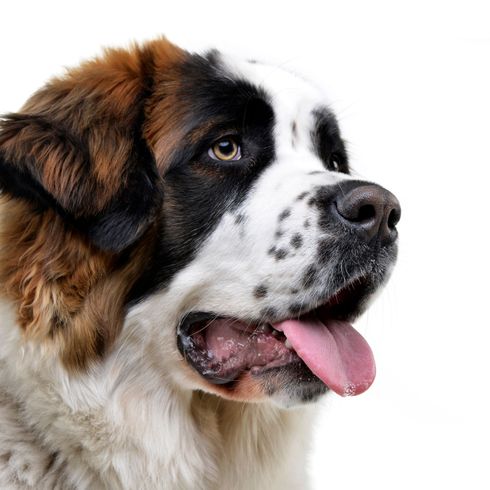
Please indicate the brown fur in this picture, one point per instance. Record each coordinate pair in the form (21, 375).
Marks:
(165, 110)
(89, 117)
(246, 389)
(75, 136)
(66, 290)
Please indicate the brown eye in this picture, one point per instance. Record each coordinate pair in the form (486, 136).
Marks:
(225, 149)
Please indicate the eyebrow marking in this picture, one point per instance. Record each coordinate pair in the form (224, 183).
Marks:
(327, 140)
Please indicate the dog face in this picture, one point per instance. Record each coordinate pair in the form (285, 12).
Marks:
(206, 204)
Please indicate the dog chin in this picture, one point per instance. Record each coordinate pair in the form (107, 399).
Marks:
(285, 386)
(293, 385)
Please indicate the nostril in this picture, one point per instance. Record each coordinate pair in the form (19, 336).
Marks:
(393, 218)
(365, 213)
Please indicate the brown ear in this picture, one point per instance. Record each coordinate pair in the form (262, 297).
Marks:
(77, 146)
(76, 154)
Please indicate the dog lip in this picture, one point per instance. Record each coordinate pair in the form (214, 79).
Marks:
(192, 318)
(345, 303)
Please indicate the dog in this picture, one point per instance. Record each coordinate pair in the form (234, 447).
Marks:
(182, 253)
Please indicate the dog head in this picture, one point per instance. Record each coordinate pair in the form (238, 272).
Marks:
(200, 202)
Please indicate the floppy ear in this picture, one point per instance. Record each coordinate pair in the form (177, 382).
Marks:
(77, 146)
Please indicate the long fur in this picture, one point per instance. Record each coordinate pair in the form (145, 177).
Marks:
(115, 224)
(123, 427)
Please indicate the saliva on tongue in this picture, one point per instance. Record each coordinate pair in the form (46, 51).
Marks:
(334, 351)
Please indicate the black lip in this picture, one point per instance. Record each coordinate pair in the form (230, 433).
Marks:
(348, 301)
(296, 378)
(191, 318)
(191, 353)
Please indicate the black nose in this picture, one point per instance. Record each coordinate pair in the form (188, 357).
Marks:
(371, 211)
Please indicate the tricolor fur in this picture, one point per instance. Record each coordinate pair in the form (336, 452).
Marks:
(116, 226)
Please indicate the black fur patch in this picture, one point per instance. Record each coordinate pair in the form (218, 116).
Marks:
(295, 309)
(309, 276)
(261, 291)
(285, 214)
(268, 314)
(328, 142)
(296, 240)
(210, 187)
(281, 254)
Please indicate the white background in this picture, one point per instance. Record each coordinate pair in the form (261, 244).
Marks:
(410, 82)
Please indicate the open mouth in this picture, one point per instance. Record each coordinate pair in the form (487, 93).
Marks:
(222, 348)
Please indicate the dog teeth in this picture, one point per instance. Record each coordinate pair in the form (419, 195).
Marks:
(288, 344)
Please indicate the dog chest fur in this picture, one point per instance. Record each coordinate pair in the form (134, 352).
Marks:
(120, 429)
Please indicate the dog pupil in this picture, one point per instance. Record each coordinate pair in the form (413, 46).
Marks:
(226, 147)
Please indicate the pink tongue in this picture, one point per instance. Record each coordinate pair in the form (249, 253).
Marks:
(334, 351)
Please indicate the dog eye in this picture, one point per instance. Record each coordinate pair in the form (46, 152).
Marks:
(225, 149)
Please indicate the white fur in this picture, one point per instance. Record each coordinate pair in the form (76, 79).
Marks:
(127, 424)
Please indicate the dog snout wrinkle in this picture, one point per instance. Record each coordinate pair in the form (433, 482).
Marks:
(371, 211)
